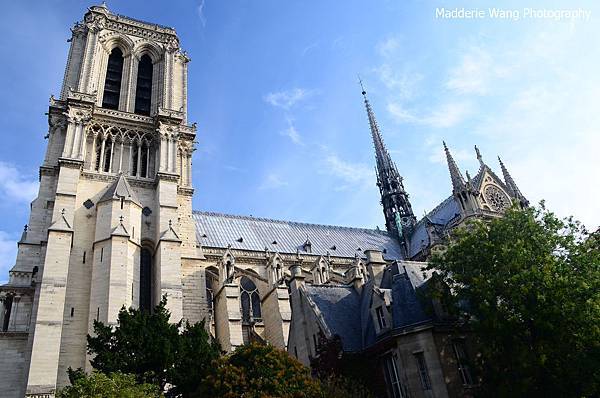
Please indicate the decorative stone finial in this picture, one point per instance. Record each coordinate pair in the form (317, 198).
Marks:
(479, 157)
(121, 219)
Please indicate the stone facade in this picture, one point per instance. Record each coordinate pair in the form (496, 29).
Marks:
(113, 226)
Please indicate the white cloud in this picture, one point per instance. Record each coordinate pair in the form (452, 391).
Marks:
(8, 252)
(351, 174)
(388, 47)
(446, 115)
(473, 74)
(200, 10)
(14, 186)
(310, 47)
(287, 99)
(402, 81)
(272, 181)
(292, 133)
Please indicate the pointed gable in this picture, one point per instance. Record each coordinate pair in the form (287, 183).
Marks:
(120, 189)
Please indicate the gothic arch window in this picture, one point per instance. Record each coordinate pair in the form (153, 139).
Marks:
(144, 160)
(145, 280)
(112, 83)
(143, 91)
(108, 147)
(98, 153)
(134, 156)
(250, 301)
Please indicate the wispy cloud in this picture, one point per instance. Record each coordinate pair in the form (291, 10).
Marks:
(310, 47)
(288, 98)
(402, 81)
(291, 132)
(388, 47)
(14, 186)
(200, 11)
(473, 74)
(272, 181)
(8, 252)
(350, 174)
(446, 115)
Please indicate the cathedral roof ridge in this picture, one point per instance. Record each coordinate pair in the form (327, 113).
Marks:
(300, 223)
(435, 209)
(332, 285)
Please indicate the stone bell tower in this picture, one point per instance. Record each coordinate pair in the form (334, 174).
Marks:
(112, 224)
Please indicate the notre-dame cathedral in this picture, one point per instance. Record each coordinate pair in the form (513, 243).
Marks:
(113, 226)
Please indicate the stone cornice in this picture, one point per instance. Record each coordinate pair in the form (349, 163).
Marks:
(70, 163)
(164, 176)
(133, 181)
(115, 116)
(100, 17)
(185, 191)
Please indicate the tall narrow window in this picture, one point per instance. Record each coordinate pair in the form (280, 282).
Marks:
(98, 154)
(112, 84)
(145, 276)
(390, 366)
(134, 156)
(143, 91)
(144, 160)
(423, 372)
(463, 362)
(8, 300)
(380, 318)
(250, 301)
(107, 155)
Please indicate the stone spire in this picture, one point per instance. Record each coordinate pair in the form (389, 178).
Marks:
(462, 191)
(512, 186)
(479, 157)
(399, 217)
(458, 182)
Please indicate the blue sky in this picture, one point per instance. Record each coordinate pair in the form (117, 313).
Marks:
(282, 130)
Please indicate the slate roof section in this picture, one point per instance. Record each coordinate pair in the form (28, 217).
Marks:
(441, 215)
(340, 307)
(220, 230)
(348, 314)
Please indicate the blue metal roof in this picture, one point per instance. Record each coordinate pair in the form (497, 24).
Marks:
(220, 230)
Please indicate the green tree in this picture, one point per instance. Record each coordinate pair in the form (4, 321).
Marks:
(529, 286)
(256, 370)
(154, 350)
(114, 385)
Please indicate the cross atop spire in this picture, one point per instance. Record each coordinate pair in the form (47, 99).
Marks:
(458, 182)
(399, 217)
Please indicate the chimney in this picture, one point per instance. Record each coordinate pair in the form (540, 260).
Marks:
(375, 265)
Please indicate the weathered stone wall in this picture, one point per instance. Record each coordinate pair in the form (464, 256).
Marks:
(12, 362)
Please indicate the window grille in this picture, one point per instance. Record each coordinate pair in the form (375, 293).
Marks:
(112, 84)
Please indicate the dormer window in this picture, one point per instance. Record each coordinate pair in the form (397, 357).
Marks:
(112, 84)
(143, 91)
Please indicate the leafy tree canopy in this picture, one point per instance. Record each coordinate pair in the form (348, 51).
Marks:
(256, 370)
(154, 350)
(115, 385)
(529, 286)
